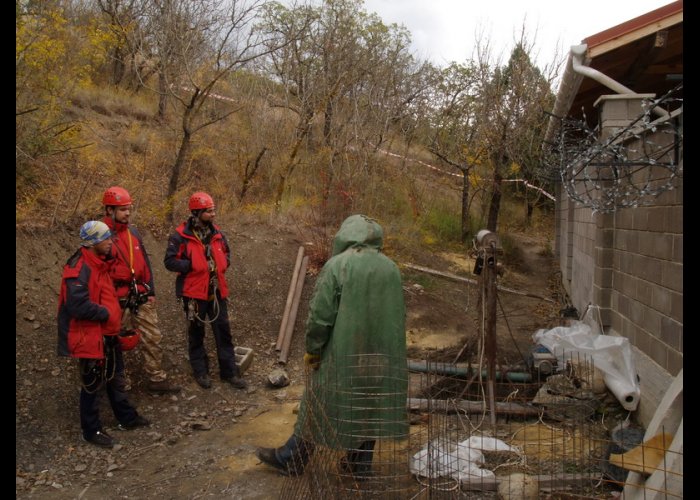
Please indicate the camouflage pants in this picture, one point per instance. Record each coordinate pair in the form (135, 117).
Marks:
(146, 320)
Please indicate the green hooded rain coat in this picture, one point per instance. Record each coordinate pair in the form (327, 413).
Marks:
(356, 324)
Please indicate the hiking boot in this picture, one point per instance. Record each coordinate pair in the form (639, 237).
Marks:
(100, 438)
(203, 380)
(269, 457)
(139, 421)
(162, 387)
(237, 382)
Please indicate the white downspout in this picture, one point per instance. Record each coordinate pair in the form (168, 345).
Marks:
(578, 51)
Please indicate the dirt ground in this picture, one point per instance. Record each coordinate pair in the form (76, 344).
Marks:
(202, 442)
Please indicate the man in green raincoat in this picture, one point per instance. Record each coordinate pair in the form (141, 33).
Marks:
(356, 347)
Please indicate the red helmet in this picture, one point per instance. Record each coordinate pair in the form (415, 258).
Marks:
(116, 196)
(129, 339)
(200, 200)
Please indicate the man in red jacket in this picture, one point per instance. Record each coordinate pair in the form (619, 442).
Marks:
(133, 280)
(199, 253)
(89, 320)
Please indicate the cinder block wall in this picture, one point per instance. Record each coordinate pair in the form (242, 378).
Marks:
(575, 247)
(647, 293)
(647, 297)
(630, 264)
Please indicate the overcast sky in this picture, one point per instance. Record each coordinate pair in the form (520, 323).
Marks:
(445, 30)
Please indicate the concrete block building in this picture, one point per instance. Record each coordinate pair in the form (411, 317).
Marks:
(619, 241)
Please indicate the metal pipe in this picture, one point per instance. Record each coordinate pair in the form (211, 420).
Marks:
(578, 52)
(290, 296)
(463, 369)
(284, 353)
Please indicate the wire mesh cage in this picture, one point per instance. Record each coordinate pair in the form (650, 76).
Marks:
(432, 438)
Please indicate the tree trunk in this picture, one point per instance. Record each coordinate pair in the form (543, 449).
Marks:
(495, 205)
(465, 205)
(163, 97)
(530, 210)
(118, 67)
(327, 123)
(302, 132)
(289, 167)
(250, 173)
(182, 155)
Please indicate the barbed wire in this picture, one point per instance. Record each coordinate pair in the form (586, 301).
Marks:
(625, 167)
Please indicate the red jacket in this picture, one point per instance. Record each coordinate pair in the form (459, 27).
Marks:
(88, 307)
(186, 255)
(128, 250)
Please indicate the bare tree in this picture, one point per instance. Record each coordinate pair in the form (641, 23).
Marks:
(345, 70)
(196, 46)
(124, 18)
(513, 99)
(455, 118)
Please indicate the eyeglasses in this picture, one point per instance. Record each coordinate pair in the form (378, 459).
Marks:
(210, 210)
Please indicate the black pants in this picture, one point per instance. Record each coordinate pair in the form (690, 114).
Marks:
(98, 373)
(215, 311)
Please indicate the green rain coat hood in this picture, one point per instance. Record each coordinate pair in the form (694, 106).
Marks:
(356, 324)
(358, 230)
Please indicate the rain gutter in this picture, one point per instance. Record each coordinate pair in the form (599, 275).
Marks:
(576, 68)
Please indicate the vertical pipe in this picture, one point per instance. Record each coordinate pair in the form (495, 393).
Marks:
(490, 333)
(290, 296)
(284, 353)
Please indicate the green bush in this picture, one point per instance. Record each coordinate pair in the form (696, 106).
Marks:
(442, 224)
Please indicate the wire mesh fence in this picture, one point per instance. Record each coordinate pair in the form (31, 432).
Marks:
(558, 434)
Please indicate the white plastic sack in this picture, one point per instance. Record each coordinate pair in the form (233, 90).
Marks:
(487, 443)
(611, 355)
(461, 462)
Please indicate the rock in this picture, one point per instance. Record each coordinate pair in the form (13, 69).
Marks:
(518, 486)
(278, 378)
(112, 467)
(200, 425)
(80, 467)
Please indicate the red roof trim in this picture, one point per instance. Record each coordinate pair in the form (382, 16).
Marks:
(634, 24)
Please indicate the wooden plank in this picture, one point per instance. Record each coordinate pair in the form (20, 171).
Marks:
(645, 458)
(545, 482)
(290, 297)
(454, 406)
(461, 279)
(284, 353)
